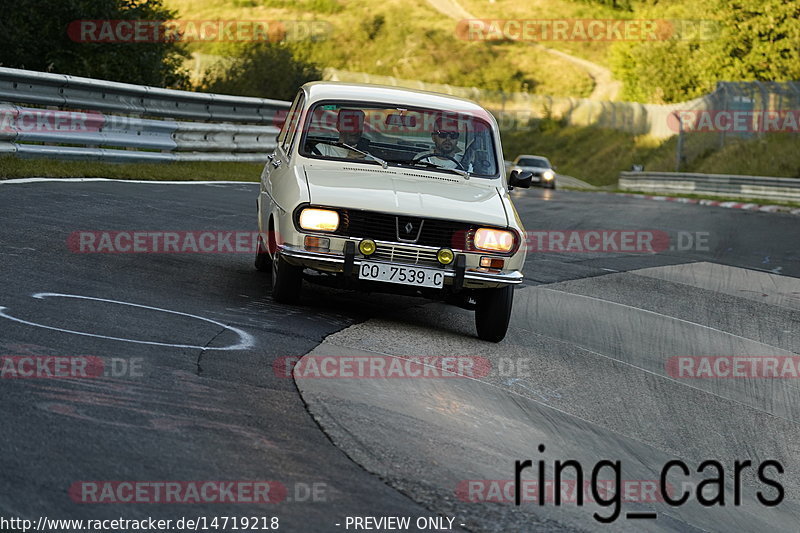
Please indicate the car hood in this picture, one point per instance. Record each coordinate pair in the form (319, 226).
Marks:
(408, 192)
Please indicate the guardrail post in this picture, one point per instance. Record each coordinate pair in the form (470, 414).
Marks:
(679, 146)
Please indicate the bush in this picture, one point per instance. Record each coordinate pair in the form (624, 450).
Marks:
(263, 69)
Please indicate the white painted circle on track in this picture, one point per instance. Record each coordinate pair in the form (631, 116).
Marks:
(246, 340)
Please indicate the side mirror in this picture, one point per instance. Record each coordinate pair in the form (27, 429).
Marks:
(519, 178)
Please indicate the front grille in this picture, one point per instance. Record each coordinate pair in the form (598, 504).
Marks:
(383, 227)
(405, 254)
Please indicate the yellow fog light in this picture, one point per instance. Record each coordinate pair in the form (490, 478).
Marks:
(319, 219)
(445, 256)
(367, 247)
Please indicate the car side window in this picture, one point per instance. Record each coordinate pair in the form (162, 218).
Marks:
(285, 125)
(292, 121)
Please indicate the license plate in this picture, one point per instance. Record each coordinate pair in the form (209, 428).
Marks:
(403, 275)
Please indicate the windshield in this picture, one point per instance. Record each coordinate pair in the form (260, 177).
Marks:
(534, 162)
(450, 142)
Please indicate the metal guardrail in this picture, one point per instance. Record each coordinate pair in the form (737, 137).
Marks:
(148, 124)
(755, 187)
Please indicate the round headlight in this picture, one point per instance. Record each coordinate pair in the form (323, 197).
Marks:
(548, 175)
(494, 240)
(367, 247)
(314, 219)
(445, 256)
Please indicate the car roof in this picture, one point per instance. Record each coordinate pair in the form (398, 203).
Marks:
(531, 156)
(364, 92)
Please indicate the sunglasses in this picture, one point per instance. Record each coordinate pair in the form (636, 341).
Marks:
(446, 134)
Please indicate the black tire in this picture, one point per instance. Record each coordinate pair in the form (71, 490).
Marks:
(286, 281)
(553, 185)
(263, 262)
(493, 312)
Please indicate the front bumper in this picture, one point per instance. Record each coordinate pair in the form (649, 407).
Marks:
(457, 277)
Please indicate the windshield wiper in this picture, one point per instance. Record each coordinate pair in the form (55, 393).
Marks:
(377, 159)
(383, 163)
(465, 174)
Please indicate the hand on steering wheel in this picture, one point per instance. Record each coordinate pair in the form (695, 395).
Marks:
(420, 158)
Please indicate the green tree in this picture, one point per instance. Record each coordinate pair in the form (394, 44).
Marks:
(740, 40)
(34, 36)
(263, 69)
(760, 40)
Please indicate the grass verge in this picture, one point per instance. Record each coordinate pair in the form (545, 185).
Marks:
(597, 155)
(407, 39)
(12, 167)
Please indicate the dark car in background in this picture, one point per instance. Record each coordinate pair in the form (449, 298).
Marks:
(544, 174)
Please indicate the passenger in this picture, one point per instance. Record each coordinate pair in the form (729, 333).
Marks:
(350, 124)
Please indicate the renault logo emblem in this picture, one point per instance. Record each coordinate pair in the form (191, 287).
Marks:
(408, 229)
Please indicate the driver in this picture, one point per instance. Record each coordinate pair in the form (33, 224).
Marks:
(445, 144)
(350, 124)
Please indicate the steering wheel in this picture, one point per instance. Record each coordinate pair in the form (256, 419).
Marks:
(425, 156)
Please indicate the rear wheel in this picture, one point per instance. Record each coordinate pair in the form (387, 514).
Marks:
(286, 281)
(493, 312)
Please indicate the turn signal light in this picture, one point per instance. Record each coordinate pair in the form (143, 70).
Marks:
(493, 262)
(317, 243)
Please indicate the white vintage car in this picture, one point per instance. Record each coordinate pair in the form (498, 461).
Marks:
(387, 189)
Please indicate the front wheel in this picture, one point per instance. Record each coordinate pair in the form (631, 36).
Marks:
(286, 281)
(493, 312)
(263, 261)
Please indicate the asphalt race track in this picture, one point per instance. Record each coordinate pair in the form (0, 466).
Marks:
(188, 342)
